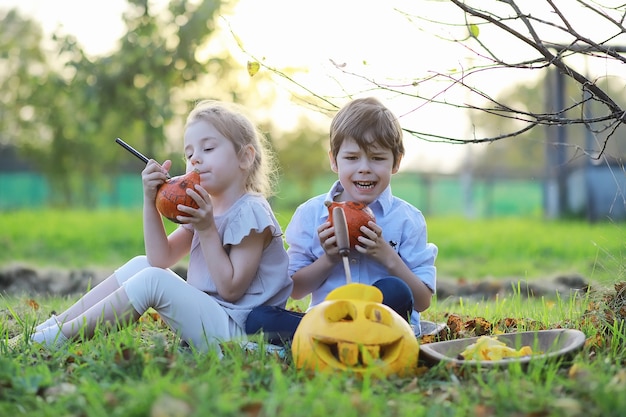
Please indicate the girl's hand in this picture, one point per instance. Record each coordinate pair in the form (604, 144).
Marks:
(152, 176)
(328, 240)
(202, 217)
(373, 244)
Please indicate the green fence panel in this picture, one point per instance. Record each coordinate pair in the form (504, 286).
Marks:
(22, 190)
(434, 195)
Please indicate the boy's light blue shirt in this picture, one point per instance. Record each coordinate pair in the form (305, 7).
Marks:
(403, 225)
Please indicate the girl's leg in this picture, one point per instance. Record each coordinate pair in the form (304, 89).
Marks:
(197, 317)
(98, 293)
(114, 308)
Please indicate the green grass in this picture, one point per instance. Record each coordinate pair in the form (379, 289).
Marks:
(471, 249)
(71, 238)
(528, 248)
(139, 371)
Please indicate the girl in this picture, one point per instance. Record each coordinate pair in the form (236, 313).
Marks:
(237, 260)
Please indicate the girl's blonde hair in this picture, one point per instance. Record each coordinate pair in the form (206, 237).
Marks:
(369, 123)
(231, 121)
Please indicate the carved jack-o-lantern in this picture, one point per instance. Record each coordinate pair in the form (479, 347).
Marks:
(352, 331)
(174, 192)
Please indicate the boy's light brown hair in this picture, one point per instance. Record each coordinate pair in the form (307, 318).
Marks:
(369, 123)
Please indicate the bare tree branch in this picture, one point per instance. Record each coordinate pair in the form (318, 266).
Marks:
(550, 33)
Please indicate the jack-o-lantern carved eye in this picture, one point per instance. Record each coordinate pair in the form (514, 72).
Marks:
(377, 314)
(340, 311)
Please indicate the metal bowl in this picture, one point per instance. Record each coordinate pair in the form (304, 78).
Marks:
(549, 344)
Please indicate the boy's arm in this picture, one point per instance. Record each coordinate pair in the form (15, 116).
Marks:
(307, 270)
(422, 295)
(309, 278)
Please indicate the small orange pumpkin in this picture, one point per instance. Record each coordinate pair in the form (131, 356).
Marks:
(351, 330)
(357, 215)
(174, 192)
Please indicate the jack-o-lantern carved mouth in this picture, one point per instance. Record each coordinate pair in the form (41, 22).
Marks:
(355, 355)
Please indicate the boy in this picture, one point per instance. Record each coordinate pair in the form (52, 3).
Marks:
(393, 253)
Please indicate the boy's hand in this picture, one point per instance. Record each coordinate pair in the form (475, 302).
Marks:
(326, 234)
(372, 243)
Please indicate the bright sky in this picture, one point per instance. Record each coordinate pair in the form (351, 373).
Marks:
(369, 36)
(289, 33)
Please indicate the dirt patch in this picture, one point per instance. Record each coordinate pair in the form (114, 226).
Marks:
(21, 279)
(559, 285)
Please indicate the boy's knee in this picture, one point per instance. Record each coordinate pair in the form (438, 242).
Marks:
(392, 285)
(396, 294)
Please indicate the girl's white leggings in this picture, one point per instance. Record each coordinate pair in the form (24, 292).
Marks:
(194, 315)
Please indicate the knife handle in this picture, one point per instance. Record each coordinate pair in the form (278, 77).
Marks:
(341, 231)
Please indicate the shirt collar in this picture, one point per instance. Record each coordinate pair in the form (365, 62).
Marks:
(384, 200)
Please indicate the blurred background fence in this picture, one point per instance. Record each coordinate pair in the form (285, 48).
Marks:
(62, 107)
(435, 195)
